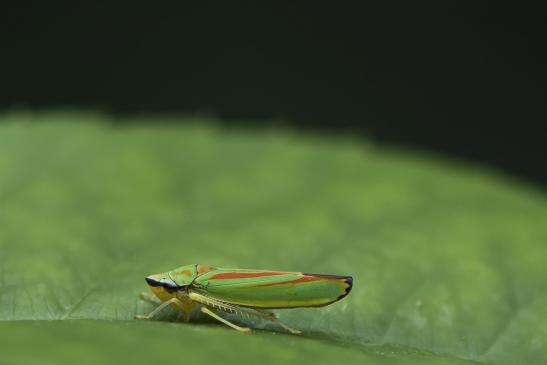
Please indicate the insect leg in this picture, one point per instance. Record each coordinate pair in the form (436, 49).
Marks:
(271, 317)
(186, 305)
(226, 322)
(242, 312)
(149, 298)
(161, 307)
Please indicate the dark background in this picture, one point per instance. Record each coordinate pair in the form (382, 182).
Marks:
(466, 80)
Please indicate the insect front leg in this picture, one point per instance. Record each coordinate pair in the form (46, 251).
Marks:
(161, 307)
(149, 298)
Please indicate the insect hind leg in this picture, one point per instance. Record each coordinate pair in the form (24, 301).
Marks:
(242, 312)
(273, 318)
(226, 322)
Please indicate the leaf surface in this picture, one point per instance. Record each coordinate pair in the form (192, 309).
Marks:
(448, 260)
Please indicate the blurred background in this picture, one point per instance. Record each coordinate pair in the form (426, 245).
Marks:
(463, 80)
(448, 259)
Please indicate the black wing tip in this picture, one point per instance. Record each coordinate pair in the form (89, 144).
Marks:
(348, 280)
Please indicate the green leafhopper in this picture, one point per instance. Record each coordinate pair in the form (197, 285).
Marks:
(242, 292)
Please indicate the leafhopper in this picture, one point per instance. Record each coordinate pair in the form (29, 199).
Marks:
(243, 292)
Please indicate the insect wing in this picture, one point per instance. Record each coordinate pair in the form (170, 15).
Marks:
(273, 289)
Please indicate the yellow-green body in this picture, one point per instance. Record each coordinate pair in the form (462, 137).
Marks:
(243, 290)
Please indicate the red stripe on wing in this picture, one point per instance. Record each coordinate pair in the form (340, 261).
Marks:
(241, 275)
(303, 279)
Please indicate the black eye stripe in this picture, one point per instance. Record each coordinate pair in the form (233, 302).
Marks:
(166, 283)
(152, 282)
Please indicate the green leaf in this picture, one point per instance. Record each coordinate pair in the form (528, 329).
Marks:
(448, 260)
